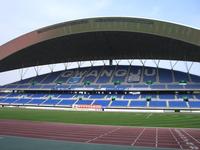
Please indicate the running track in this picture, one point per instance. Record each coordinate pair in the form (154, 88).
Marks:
(117, 135)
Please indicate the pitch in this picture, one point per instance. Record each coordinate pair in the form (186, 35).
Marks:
(175, 120)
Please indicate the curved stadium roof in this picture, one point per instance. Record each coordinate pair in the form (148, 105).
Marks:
(100, 39)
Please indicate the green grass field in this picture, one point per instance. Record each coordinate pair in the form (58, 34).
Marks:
(179, 120)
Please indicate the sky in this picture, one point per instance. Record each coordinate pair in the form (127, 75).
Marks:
(22, 16)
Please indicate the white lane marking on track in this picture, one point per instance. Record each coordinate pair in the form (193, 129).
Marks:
(190, 136)
(190, 144)
(137, 137)
(175, 138)
(149, 115)
(104, 134)
(156, 137)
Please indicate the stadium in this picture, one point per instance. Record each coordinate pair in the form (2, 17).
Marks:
(109, 93)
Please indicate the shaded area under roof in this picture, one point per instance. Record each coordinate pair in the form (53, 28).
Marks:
(100, 39)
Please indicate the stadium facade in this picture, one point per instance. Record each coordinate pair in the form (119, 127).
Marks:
(106, 87)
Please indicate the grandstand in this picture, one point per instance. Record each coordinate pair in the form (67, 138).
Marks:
(109, 86)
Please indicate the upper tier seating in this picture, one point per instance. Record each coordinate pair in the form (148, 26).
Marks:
(111, 78)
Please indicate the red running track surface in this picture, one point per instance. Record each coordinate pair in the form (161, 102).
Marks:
(116, 135)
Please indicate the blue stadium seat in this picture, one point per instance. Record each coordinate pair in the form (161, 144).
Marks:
(179, 76)
(38, 95)
(138, 103)
(66, 102)
(181, 96)
(47, 86)
(157, 104)
(131, 96)
(97, 96)
(165, 76)
(84, 102)
(192, 86)
(158, 86)
(175, 86)
(50, 78)
(9, 100)
(117, 96)
(144, 96)
(194, 104)
(141, 86)
(178, 104)
(51, 102)
(167, 96)
(103, 103)
(120, 74)
(22, 101)
(134, 75)
(36, 101)
(23, 86)
(66, 96)
(149, 74)
(92, 75)
(195, 79)
(119, 103)
(105, 74)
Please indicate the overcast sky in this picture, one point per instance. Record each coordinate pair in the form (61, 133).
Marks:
(21, 16)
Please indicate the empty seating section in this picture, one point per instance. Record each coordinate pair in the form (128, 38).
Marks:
(38, 79)
(92, 75)
(194, 104)
(179, 76)
(185, 96)
(175, 86)
(36, 101)
(97, 96)
(108, 86)
(158, 86)
(135, 100)
(120, 74)
(178, 104)
(150, 74)
(138, 103)
(50, 78)
(66, 102)
(192, 86)
(103, 103)
(51, 102)
(197, 96)
(66, 95)
(105, 75)
(151, 96)
(22, 101)
(119, 103)
(9, 100)
(157, 104)
(111, 77)
(131, 96)
(81, 96)
(135, 74)
(165, 76)
(114, 96)
(167, 96)
(84, 102)
(38, 95)
(194, 78)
